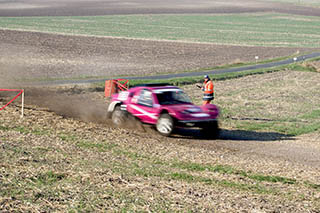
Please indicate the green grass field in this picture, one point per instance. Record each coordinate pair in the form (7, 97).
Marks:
(263, 29)
(299, 2)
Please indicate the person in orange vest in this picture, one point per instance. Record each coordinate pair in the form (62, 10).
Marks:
(208, 92)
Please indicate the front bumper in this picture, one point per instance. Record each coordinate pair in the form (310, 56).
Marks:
(195, 123)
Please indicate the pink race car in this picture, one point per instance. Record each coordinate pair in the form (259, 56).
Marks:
(164, 106)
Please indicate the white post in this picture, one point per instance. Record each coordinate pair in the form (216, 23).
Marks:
(22, 103)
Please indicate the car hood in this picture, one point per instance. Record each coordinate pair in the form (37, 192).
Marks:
(209, 109)
(184, 107)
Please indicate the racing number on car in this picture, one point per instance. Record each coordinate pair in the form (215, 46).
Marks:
(123, 96)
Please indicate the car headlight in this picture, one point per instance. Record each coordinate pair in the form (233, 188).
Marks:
(185, 112)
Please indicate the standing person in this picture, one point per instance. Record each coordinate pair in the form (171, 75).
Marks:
(208, 92)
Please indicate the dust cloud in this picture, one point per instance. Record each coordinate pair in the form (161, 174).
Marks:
(68, 103)
(8, 76)
(74, 103)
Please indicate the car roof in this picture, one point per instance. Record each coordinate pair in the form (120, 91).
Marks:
(156, 87)
(153, 85)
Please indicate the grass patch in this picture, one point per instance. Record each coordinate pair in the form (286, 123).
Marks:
(314, 3)
(301, 67)
(287, 127)
(224, 169)
(312, 185)
(67, 137)
(24, 130)
(47, 178)
(282, 30)
(230, 184)
(303, 129)
(100, 147)
(273, 179)
(182, 176)
(4, 128)
(315, 114)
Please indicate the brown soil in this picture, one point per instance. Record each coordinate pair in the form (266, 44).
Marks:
(45, 56)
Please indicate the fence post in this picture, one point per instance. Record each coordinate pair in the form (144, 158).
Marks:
(22, 104)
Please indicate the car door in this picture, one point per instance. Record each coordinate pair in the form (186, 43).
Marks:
(143, 107)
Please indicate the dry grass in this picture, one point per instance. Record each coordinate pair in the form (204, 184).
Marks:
(52, 163)
(314, 65)
(283, 102)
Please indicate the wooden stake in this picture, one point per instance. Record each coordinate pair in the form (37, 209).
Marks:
(22, 103)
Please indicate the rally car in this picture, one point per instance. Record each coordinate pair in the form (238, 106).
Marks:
(165, 106)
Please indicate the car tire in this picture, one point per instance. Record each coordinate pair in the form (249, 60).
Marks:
(165, 125)
(119, 116)
(211, 130)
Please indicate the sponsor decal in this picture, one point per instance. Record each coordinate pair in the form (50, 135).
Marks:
(143, 112)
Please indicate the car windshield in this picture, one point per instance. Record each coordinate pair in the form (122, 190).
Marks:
(173, 97)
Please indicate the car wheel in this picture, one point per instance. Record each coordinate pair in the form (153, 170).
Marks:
(165, 125)
(118, 116)
(211, 130)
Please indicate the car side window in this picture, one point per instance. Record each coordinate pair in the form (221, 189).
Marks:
(131, 94)
(145, 98)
